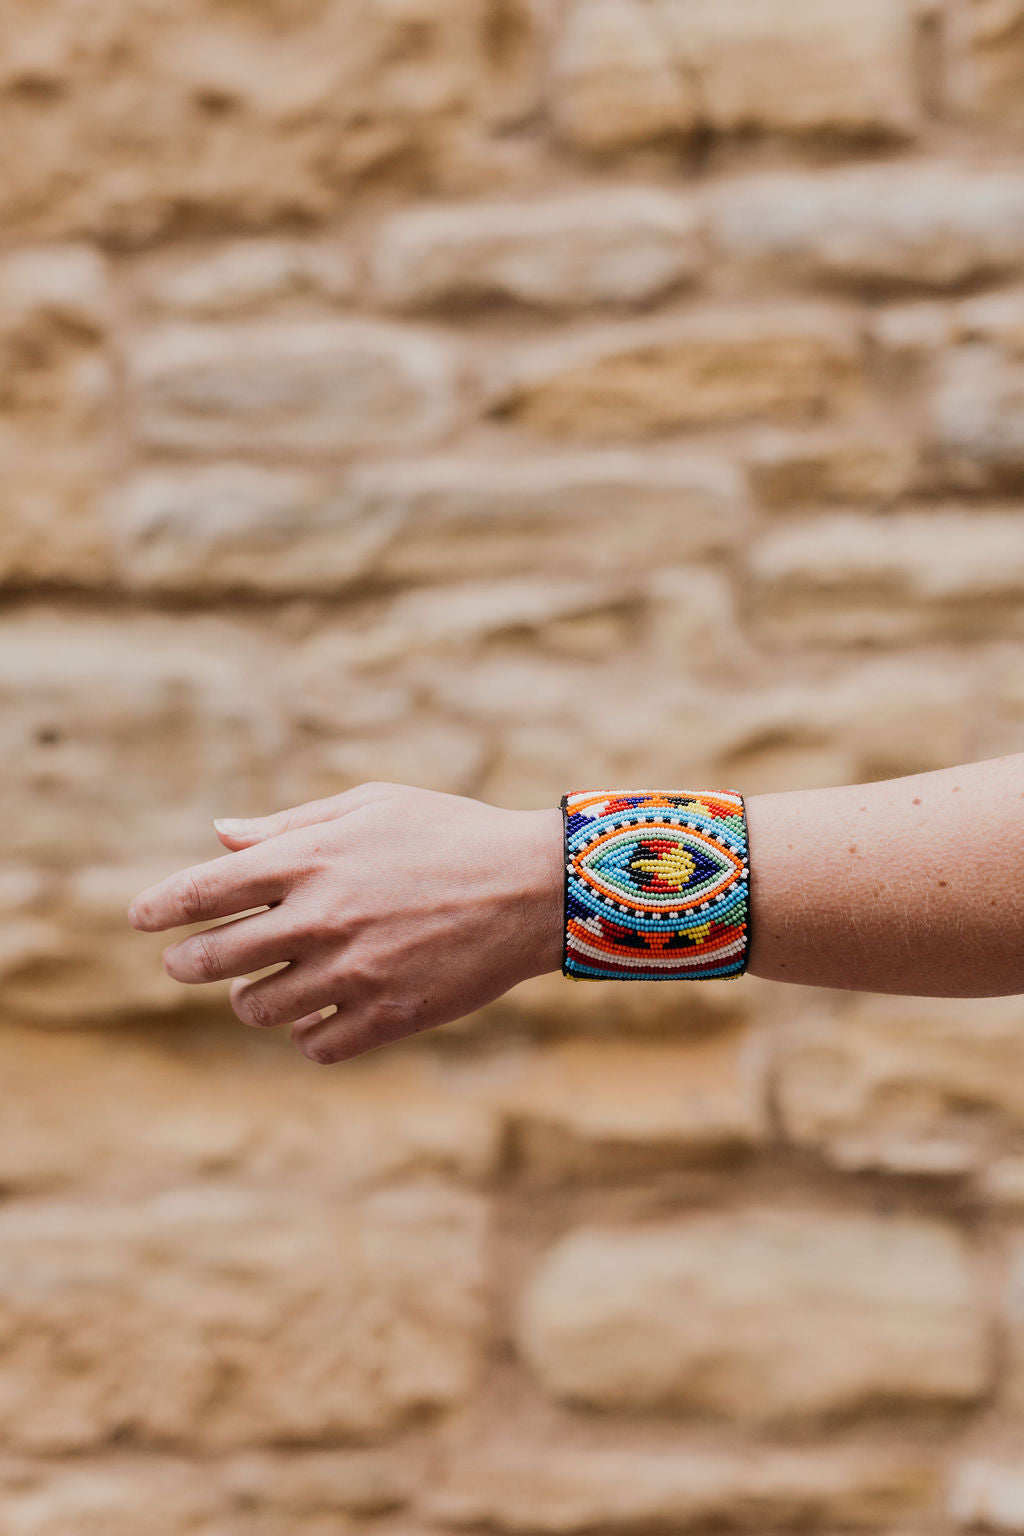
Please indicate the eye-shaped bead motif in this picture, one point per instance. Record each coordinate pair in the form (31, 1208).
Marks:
(656, 884)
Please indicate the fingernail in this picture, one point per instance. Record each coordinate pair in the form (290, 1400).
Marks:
(234, 827)
(132, 914)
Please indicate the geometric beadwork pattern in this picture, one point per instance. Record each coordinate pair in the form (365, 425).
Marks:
(656, 884)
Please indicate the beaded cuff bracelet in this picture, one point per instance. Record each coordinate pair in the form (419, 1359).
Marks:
(656, 885)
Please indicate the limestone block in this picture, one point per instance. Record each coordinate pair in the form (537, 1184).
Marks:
(928, 225)
(77, 1101)
(620, 245)
(306, 1483)
(997, 60)
(977, 418)
(897, 715)
(711, 368)
(908, 1085)
(52, 287)
(176, 117)
(240, 276)
(56, 414)
(218, 1317)
(598, 512)
(628, 73)
(386, 662)
(80, 963)
(129, 736)
(912, 334)
(556, 1492)
(115, 1496)
(760, 1315)
(993, 317)
(590, 1110)
(616, 83)
(237, 526)
(119, 1495)
(332, 386)
(987, 1496)
(434, 754)
(818, 467)
(918, 574)
(455, 621)
(879, 719)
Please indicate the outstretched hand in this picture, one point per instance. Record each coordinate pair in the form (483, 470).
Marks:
(401, 908)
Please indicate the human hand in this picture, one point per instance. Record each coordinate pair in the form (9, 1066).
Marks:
(403, 908)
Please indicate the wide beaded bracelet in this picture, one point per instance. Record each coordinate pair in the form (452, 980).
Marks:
(656, 885)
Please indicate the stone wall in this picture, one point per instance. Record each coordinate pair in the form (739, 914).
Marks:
(496, 395)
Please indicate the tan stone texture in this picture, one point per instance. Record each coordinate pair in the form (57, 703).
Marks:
(635, 1490)
(997, 56)
(903, 1085)
(630, 71)
(760, 1315)
(499, 396)
(261, 1319)
(710, 369)
(618, 246)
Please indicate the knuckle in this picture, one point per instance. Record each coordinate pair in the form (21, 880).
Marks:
(385, 1019)
(361, 973)
(192, 899)
(205, 958)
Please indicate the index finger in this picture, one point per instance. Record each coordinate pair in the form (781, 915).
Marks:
(223, 887)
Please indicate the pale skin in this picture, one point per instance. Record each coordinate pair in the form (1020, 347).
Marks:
(405, 908)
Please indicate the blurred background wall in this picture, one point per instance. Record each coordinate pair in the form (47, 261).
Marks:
(501, 397)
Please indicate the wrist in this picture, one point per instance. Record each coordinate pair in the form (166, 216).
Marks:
(541, 889)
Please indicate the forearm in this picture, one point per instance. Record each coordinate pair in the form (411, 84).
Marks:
(912, 885)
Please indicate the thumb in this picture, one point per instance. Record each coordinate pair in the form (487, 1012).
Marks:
(241, 832)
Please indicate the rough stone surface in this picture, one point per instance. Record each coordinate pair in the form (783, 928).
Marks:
(906, 1086)
(926, 226)
(613, 1110)
(116, 1495)
(222, 1317)
(997, 57)
(244, 276)
(387, 1120)
(241, 527)
(298, 387)
(630, 1490)
(977, 421)
(629, 72)
(618, 246)
(711, 368)
(56, 400)
(236, 526)
(817, 468)
(987, 1496)
(918, 574)
(83, 706)
(709, 1315)
(153, 120)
